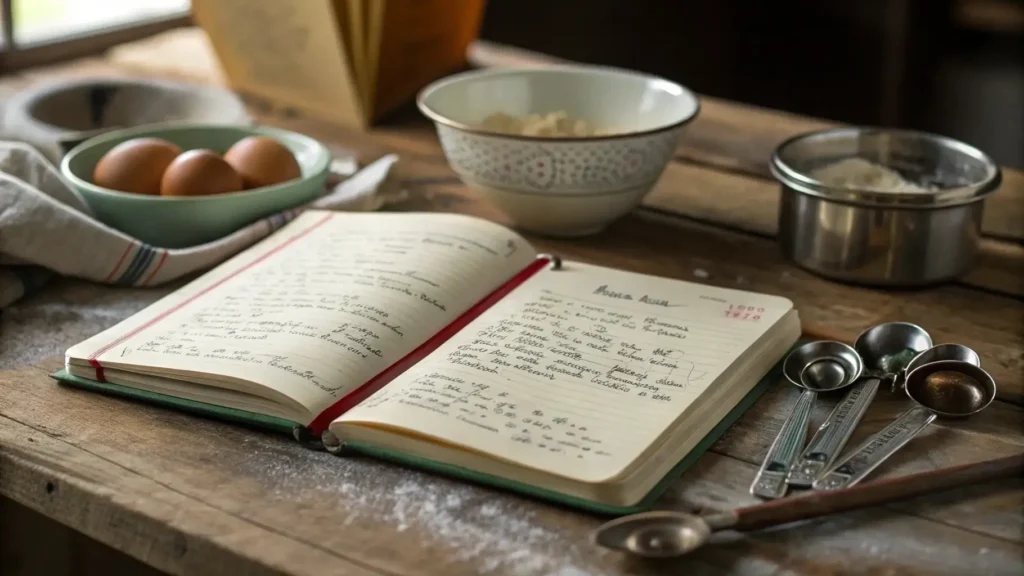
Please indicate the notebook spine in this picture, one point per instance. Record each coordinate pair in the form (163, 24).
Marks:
(307, 438)
(556, 261)
(332, 443)
(321, 422)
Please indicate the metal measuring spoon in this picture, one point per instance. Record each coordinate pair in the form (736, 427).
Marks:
(816, 367)
(948, 388)
(885, 349)
(936, 353)
(665, 534)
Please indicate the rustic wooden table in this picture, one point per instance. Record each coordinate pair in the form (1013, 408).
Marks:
(190, 496)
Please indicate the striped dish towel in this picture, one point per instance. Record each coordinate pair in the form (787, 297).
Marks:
(46, 227)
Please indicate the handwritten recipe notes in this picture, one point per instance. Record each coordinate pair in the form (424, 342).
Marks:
(580, 371)
(289, 329)
(587, 381)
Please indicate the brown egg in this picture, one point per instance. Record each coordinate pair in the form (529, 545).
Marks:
(262, 161)
(199, 173)
(135, 165)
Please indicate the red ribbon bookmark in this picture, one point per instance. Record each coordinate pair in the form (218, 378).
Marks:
(321, 422)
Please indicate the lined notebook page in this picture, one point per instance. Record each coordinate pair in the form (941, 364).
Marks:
(577, 371)
(322, 306)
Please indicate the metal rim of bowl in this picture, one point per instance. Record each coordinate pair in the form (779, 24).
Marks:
(430, 113)
(945, 197)
(24, 103)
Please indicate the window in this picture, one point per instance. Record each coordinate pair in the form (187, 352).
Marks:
(42, 20)
(37, 32)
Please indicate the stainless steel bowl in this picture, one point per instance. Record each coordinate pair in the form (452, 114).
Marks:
(881, 237)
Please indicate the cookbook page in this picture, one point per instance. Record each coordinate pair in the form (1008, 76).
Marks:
(320, 307)
(575, 372)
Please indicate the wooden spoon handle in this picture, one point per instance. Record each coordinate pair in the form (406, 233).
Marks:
(877, 492)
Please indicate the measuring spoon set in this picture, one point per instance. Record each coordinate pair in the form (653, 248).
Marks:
(944, 380)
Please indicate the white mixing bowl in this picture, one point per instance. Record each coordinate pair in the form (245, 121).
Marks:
(564, 186)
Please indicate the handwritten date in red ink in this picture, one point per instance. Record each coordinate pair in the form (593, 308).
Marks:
(741, 312)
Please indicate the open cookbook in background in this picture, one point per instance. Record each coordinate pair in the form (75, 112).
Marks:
(445, 342)
(348, 61)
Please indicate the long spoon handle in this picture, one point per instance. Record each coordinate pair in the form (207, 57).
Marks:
(876, 492)
(832, 435)
(875, 450)
(770, 481)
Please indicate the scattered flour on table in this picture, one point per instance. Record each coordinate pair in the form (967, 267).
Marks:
(492, 531)
(64, 312)
(891, 540)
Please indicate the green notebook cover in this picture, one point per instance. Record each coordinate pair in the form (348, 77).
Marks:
(557, 497)
(280, 425)
(231, 415)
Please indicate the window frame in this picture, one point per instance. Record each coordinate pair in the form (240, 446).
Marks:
(15, 56)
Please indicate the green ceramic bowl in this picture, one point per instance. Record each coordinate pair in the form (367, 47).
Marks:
(178, 222)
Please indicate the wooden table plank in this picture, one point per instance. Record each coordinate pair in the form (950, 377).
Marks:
(665, 245)
(722, 187)
(742, 138)
(67, 551)
(128, 464)
(753, 134)
(751, 204)
(726, 135)
(133, 512)
(993, 434)
(146, 480)
(735, 200)
(234, 467)
(951, 313)
(738, 201)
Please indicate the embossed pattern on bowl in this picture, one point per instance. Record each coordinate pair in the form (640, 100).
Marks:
(559, 167)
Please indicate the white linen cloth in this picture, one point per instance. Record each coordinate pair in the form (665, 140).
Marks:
(46, 227)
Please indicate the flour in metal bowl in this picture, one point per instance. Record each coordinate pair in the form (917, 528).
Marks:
(861, 173)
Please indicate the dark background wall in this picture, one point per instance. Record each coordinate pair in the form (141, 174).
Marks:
(949, 66)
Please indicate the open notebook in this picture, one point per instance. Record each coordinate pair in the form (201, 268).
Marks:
(446, 342)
